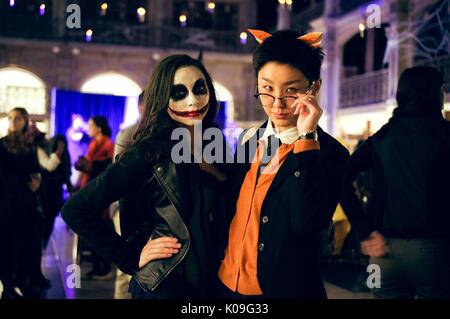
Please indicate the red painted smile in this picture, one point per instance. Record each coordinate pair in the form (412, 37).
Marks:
(194, 113)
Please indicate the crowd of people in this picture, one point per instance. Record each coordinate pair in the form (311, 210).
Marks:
(252, 228)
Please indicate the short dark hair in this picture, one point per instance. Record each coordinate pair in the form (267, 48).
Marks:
(419, 92)
(102, 123)
(285, 48)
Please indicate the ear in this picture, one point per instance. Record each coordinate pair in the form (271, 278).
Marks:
(313, 39)
(259, 35)
(317, 86)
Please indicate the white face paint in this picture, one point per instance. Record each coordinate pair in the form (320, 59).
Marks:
(189, 96)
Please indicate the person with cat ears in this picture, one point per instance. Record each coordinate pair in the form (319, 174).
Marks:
(284, 196)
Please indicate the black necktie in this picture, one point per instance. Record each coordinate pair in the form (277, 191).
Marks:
(269, 151)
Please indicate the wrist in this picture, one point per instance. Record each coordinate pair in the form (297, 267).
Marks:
(309, 135)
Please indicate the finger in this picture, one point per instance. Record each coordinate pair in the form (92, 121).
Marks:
(165, 239)
(160, 250)
(164, 245)
(311, 103)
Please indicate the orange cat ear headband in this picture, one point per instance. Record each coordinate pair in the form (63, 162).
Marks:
(313, 38)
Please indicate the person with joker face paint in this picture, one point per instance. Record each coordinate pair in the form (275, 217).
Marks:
(169, 211)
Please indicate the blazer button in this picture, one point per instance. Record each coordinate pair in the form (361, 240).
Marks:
(159, 169)
(261, 247)
(265, 220)
(297, 174)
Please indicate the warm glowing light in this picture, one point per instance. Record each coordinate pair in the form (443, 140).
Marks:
(89, 33)
(141, 14)
(243, 37)
(104, 6)
(282, 1)
(111, 83)
(42, 9)
(211, 6)
(183, 19)
(361, 28)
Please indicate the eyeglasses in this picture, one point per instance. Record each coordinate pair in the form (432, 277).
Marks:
(267, 100)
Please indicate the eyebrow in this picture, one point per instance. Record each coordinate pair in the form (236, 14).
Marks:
(286, 83)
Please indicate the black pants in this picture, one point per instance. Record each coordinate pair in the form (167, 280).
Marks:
(414, 268)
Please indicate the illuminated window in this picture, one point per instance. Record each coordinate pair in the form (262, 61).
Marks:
(21, 88)
(112, 84)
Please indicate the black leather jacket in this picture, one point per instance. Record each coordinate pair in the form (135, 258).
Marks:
(150, 205)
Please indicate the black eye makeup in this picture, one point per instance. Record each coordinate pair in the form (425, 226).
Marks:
(200, 87)
(178, 92)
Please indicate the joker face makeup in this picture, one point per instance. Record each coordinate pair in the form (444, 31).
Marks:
(189, 96)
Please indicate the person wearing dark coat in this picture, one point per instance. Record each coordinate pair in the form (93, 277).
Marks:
(406, 231)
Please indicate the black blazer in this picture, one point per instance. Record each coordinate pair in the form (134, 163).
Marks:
(299, 205)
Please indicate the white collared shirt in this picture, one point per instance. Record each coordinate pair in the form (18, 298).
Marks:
(288, 136)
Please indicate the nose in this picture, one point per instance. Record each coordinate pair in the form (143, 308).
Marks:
(192, 100)
(279, 103)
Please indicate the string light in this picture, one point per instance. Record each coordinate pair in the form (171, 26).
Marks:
(141, 14)
(12, 3)
(103, 8)
(42, 9)
(286, 3)
(361, 28)
(183, 20)
(211, 6)
(89, 34)
(243, 37)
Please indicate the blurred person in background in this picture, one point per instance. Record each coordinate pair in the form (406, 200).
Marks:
(99, 156)
(123, 140)
(406, 231)
(21, 252)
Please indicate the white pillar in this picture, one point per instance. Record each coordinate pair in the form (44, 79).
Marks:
(370, 50)
(284, 17)
(331, 76)
(392, 59)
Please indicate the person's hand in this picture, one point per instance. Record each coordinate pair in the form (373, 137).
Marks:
(60, 149)
(35, 182)
(309, 113)
(375, 245)
(159, 248)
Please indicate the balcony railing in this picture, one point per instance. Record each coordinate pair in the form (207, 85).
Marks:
(364, 89)
(110, 32)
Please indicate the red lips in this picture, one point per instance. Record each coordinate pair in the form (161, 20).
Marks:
(194, 113)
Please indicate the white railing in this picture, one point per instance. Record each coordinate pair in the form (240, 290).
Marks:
(364, 89)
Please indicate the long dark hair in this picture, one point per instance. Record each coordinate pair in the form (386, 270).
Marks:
(18, 142)
(155, 121)
(419, 92)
